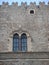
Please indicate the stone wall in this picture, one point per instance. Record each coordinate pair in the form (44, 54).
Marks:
(17, 19)
(35, 58)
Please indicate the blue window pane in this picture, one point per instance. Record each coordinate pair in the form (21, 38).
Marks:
(24, 42)
(16, 48)
(20, 44)
(24, 48)
(15, 42)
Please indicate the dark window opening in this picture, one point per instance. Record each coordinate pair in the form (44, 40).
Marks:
(31, 11)
(15, 42)
(19, 43)
(24, 42)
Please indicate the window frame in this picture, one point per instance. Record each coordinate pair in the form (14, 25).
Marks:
(19, 42)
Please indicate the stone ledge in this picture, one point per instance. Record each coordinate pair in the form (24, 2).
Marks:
(24, 55)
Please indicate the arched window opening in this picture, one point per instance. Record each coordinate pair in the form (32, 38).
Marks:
(24, 42)
(20, 43)
(31, 11)
(15, 42)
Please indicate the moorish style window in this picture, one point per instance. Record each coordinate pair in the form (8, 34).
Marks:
(15, 42)
(24, 42)
(19, 43)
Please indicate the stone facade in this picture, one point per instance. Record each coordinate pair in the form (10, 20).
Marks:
(24, 58)
(20, 19)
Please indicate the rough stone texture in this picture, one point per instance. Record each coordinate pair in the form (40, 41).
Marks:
(17, 19)
(35, 58)
(14, 18)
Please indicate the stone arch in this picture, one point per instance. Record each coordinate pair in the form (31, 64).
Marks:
(24, 42)
(15, 42)
(20, 32)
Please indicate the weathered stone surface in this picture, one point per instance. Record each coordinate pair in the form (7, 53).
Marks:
(18, 19)
(24, 55)
(40, 58)
(36, 25)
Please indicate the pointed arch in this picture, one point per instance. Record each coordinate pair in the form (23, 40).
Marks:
(24, 42)
(15, 42)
